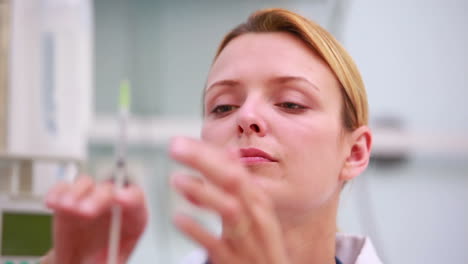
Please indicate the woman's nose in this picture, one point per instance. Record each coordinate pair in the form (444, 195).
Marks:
(251, 121)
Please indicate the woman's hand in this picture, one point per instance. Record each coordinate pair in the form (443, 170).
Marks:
(82, 213)
(251, 231)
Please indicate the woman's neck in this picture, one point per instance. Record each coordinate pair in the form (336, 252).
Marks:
(311, 239)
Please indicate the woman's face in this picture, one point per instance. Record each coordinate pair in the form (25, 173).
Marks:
(273, 100)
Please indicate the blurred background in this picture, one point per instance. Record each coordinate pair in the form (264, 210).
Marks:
(62, 61)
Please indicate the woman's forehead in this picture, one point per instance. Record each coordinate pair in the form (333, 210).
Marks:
(266, 56)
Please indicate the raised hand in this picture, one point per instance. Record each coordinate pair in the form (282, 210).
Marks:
(251, 231)
(82, 220)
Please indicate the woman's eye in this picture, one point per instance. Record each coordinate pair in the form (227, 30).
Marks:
(221, 109)
(291, 106)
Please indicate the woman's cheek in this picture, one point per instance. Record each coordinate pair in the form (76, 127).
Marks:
(314, 164)
(215, 132)
(207, 132)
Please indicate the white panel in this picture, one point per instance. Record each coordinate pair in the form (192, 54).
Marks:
(50, 78)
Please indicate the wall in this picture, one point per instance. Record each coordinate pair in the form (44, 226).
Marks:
(165, 48)
(414, 60)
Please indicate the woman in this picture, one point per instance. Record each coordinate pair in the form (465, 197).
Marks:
(285, 127)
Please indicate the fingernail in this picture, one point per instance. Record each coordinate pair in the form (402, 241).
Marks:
(179, 180)
(178, 145)
(123, 195)
(51, 199)
(67, 201)
(121, 192)
(87, 206)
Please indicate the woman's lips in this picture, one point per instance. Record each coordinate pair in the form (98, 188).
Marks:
(255, 156)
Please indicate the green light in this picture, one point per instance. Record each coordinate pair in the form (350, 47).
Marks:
(124, 97)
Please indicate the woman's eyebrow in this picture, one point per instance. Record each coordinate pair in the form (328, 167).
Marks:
(286, 79)
(222, 83)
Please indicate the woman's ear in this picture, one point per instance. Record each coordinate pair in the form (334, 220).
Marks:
(359, 153)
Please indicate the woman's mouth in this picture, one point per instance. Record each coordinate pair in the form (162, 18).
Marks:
(251, 156)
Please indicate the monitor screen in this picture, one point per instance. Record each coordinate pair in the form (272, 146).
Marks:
(25, 234)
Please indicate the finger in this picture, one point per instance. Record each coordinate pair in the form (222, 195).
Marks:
(206, 195)
(258, 228)
(242, 240)
(267, 230)
(80, 188)
(134, 208)
(97, 202)
(53, 196)
(238, 233)
(218, 166)
(214, 246)
(130, 197)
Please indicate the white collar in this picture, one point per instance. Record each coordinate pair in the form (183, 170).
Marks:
(355, 249)
(350, 249)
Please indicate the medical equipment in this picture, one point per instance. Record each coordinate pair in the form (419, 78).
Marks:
(120, 173)
(45, 109)
(25, 222)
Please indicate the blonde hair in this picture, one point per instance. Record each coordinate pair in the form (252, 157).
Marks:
(355, 108)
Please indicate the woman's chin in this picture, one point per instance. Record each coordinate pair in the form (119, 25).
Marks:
(266, 181)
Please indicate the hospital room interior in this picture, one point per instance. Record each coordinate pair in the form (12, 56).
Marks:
(63, 64)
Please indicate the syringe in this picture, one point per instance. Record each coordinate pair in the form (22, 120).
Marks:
(120, 173)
